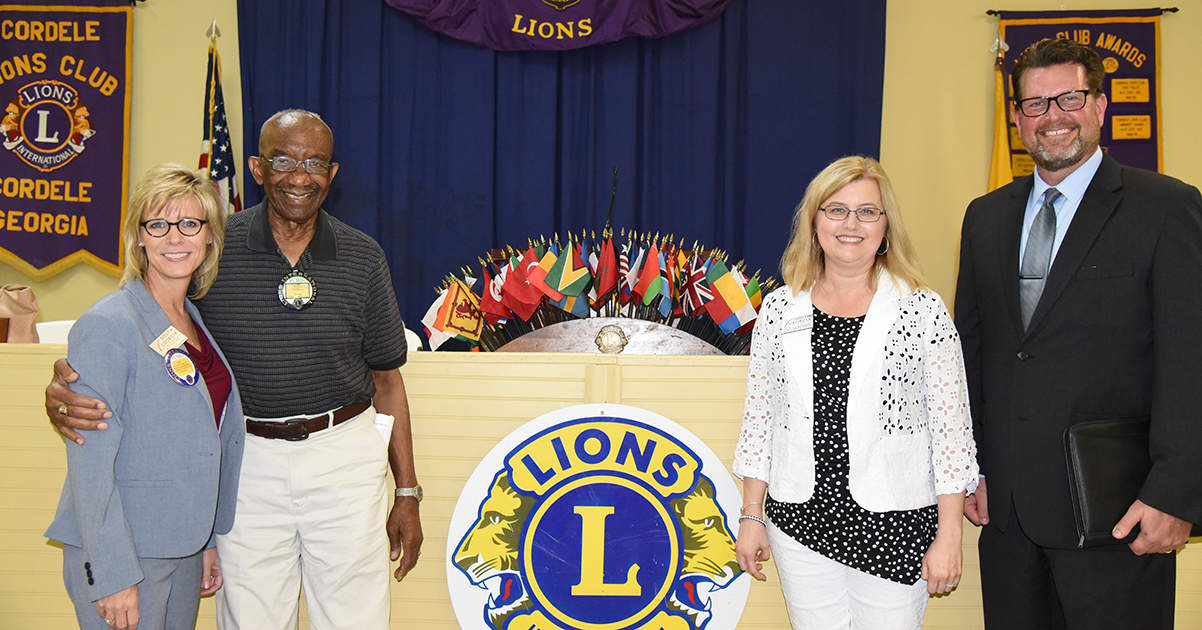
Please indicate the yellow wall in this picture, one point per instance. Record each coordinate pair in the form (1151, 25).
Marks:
(936, 120)
(169, 56)
(935, 144)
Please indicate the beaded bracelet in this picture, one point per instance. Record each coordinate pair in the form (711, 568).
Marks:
(753, 518)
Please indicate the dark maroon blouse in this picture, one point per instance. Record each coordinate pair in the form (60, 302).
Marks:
(216, 376)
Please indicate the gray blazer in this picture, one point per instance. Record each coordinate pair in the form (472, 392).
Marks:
(161, 481)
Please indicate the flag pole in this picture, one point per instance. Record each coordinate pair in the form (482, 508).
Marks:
(217, 158)
(608, 230)
(1000, 170)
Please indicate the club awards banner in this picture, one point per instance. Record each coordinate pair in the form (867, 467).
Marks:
(1129, 44)
(601, 517)
(557, 24)
(64, 137)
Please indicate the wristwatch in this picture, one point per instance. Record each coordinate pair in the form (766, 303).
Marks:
(415, 492)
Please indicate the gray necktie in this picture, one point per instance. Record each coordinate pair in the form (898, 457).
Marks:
(1037, 258)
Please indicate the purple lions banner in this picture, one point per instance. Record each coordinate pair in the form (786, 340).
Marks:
(557, 24)
(1129, 44)
(64, 138)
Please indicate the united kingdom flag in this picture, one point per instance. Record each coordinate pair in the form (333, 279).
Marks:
(216, 150)
(697, 291)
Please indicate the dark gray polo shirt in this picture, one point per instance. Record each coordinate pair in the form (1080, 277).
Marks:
(290, 362)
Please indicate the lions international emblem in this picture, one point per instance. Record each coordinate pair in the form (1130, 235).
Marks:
(46, 124)
(560, 4)
(597, 517)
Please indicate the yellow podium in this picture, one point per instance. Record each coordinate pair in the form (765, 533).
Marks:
(462, 404)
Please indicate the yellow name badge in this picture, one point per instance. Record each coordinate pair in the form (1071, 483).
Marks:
(180, 367)
(294, 289)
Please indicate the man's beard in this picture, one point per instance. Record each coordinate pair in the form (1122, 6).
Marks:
(1052, 163)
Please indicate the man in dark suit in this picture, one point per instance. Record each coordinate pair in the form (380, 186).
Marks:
(1079, 297)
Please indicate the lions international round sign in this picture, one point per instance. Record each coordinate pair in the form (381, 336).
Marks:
(599, 517)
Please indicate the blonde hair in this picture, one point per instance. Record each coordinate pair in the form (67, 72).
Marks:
(162, 186)
(803, 263)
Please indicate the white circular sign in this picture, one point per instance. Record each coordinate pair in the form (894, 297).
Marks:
(599, 517)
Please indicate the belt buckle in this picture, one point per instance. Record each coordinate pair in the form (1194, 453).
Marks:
(301, 422)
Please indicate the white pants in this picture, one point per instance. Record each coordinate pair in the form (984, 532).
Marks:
(823, 594)
(312, 510)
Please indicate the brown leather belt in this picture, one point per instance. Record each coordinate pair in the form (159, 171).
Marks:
(296, 429)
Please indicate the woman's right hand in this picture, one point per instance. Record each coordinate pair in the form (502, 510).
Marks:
(120, 610)
(751, 548)
(210, 572)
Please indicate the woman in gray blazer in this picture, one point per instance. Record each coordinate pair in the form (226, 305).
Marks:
(144, 499)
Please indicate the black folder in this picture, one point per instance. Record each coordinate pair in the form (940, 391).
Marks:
(1107, 463)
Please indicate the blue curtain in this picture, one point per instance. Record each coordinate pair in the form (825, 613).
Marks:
(449, 150)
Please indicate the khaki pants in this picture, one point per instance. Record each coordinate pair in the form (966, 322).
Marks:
(312, 510)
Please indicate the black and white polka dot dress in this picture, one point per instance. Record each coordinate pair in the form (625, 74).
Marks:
(885, 544)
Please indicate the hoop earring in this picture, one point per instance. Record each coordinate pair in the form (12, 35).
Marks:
(881, 252)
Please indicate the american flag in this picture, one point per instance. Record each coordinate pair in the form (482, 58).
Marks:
(216, 150)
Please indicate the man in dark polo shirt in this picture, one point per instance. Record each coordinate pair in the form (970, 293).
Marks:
(304, 310)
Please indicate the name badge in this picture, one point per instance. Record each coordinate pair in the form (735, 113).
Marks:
(180, 367)
(296, 290)
(171, 338)
(798, 324)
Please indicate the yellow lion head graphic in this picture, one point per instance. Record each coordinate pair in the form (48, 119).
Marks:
(488, 554)
(709, 553)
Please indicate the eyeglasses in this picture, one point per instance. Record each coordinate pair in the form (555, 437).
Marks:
(864, 214)
(1037, 106)
(159, 228)
(285, 164)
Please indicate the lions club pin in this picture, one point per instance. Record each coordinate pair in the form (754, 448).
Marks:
(296, 290)
(180, 367)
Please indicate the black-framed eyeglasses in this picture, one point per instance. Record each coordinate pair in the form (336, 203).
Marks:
(285, 164)
(159, 228)
(1037, 106)
(864, 214)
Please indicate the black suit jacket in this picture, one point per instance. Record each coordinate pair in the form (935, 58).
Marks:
(1116, 333)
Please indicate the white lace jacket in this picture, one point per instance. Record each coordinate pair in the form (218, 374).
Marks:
(908, 427)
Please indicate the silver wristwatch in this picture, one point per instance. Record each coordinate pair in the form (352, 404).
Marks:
(415, 492)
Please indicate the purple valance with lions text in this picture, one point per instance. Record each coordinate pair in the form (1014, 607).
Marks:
(557, 24)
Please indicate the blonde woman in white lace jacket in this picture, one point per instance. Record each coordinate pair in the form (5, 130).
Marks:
(848, 486)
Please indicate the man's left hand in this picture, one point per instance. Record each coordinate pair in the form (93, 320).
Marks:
(1159, 532)
(404, 534)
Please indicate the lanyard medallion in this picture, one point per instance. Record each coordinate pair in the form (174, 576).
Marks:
(296, 290)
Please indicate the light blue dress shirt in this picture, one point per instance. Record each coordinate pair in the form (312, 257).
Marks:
(1072, 190)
